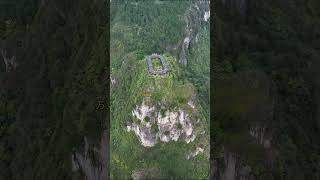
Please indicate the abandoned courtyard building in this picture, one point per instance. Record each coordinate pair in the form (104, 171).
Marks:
(165, 67)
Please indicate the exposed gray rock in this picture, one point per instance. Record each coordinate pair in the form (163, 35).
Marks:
(165, 66)
(259, 133)
(145, 174)
(113, 81)
(206, 16)
(230, 164)
(10, 63)
(92, 161)
(231, 168)
(170, 126)
(195, 153)
(197, 15)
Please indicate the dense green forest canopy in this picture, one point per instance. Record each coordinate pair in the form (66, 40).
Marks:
(49, 102)
(138, 29)
(265, 58)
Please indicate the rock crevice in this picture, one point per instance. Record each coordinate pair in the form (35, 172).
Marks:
(151, 126)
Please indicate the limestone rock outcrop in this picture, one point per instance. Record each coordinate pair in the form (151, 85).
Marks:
(151, 126)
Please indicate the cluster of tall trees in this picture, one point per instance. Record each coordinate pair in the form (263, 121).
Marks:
(279, 39)
(49, 103)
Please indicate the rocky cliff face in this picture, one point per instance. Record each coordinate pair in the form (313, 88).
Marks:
(248, 149)
(275, 139)
(195, 17)
(152, 126)
(160, 114)
(233, 169)
(167, 112)
(92, 159)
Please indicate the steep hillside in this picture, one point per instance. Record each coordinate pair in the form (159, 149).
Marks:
(160, 123)
(49, 100)
(266, 122)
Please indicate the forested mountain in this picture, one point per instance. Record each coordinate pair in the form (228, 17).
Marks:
(54, 81)
(266, 90)
(51, 88)
(159, 123)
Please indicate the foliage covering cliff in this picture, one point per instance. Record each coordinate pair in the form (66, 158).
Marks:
(266, 88)
(49, 102)
(139, 29)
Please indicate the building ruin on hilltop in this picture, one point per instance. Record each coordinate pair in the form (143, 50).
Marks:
(165, 67)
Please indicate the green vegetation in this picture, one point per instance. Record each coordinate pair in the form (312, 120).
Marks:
(171, 95)
(156, 64)
(139, 29)
(146, 27)
(50, 102)
(262, 74)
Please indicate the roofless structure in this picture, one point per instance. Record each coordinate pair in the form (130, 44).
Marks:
(165, 67)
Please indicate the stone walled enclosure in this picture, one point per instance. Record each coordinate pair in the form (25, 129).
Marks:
(165, 67)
